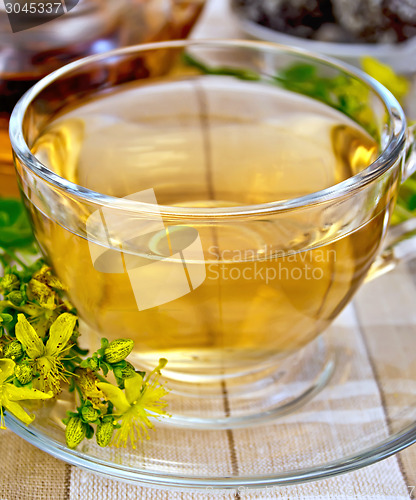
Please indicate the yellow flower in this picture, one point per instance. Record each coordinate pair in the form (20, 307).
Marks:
(46, 357)
(87, 382)
(44, 275)
(398, 85)
(43, 294)
(10, 394)
(141, 400)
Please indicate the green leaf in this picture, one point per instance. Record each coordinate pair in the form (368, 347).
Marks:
(412, 202)
(104, 368)
(15, 230)
(120, 364)
(79, 350)
(89, 431)
(71, 387)
(300, 72)
(6, 318)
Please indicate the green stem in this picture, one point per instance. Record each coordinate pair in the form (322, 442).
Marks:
(241, 73)
(81, 397)
(100, 377)
(3, 261)
(6, 303)
(17, 259)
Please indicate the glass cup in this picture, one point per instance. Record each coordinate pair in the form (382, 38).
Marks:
(92, 26)
(219, 202)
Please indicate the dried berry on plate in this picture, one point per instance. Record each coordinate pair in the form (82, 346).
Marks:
(345, 21)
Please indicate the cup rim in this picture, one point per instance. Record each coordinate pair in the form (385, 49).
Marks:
(386, 158)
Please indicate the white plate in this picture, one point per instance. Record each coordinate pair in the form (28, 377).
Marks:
(400, 56)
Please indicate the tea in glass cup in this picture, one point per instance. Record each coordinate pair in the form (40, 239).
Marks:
(210, 208)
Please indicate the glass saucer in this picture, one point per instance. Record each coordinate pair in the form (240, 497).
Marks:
(365, 413)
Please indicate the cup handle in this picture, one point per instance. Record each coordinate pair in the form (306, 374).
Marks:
(401, 239)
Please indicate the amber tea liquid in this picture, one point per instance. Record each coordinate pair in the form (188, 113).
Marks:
(215, 142)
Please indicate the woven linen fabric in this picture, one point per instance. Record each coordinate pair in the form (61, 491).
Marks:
(27, 473)
(385, 304)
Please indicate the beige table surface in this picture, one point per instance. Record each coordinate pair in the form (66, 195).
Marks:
(394, 478)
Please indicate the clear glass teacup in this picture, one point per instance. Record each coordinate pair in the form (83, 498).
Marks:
(219, 202)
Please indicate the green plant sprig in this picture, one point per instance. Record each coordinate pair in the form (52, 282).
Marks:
(348, 95)
(40, 353)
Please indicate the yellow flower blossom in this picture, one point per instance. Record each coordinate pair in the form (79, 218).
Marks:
(10, 394)
(44, 275)
(141, 400)
(87, 382)
(43, 294)
(42, 287)
(398, 85)
(46, 357)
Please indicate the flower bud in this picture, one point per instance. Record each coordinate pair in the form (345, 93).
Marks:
(9, 282)
(89, 414)
(104, 433)
(118, 350)
(94, 364)
(14, 350)
(16, 298)
(23, 373)
(126, 372)
(75, 432)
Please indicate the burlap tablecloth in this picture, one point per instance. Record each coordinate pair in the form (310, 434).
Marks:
(29, 474)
